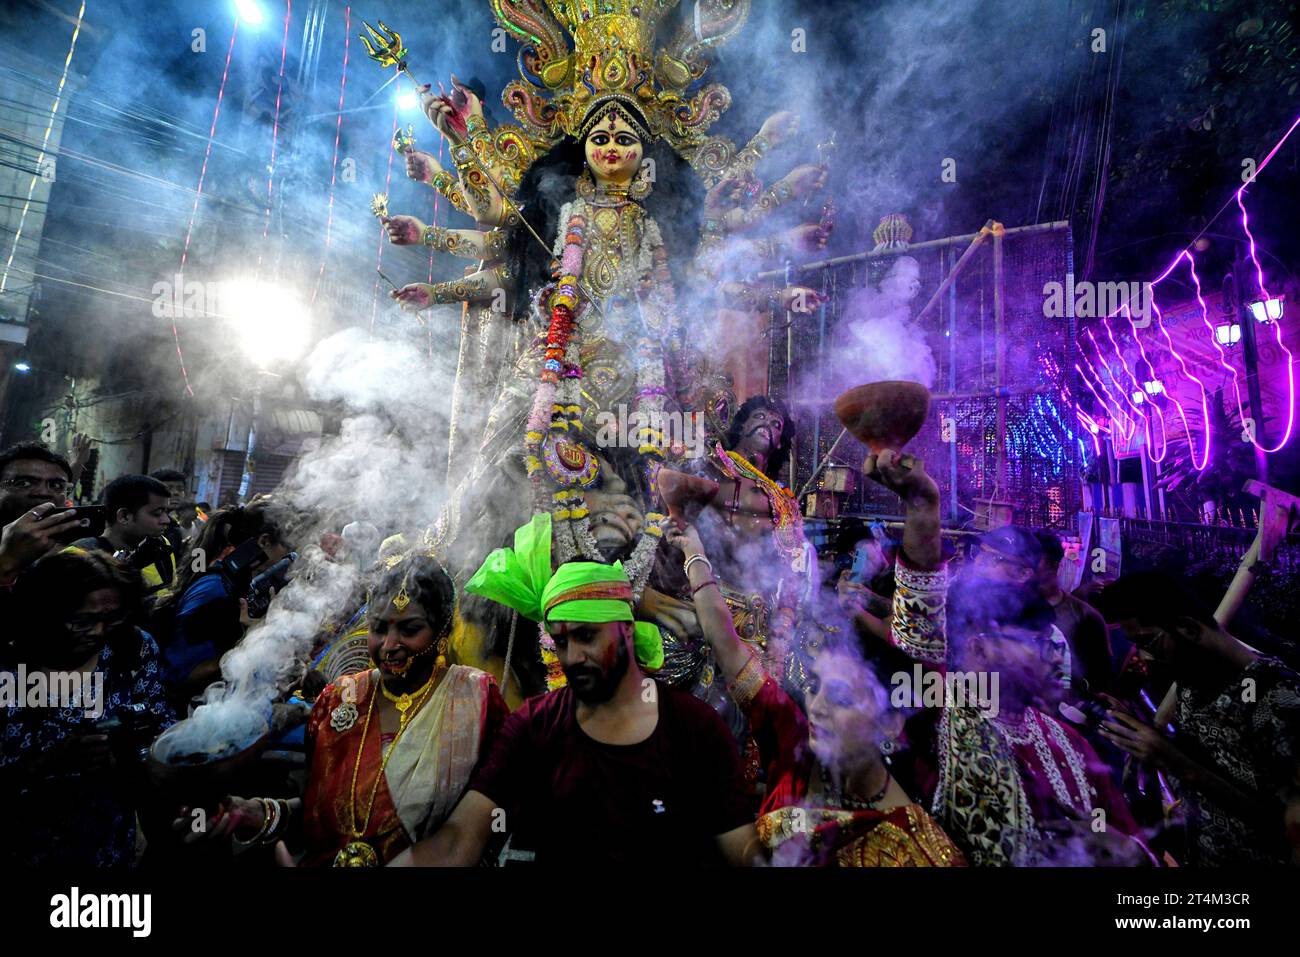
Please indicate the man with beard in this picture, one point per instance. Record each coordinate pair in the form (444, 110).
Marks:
(611, 770)
(34, 486)
(1236, 757)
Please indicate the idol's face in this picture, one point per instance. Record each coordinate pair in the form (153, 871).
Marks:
(400, 642)
(594, 656)
(762, 431)
(614, 151)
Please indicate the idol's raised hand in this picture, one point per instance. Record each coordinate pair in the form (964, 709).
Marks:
(421, 166)
(780, 127)
(806, 179)
(800, 300)
(808, 238)
(403, 230)
(442, 114)
(413, 297)
(730, 192)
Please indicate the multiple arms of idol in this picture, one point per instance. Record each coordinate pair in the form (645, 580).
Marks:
(487, 173)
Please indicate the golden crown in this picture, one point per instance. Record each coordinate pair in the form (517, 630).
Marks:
(613, 61)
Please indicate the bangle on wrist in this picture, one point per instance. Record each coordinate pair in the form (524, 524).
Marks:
(704, 584)
(281, 823)
(267, 817)
(686, 566)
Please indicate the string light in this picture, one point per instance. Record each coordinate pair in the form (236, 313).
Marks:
(45, 143)
(338, 129)
(198, 194)
(1147, 386)
(275, 130)
(1139, 397)
(1117, 414)
(1186, 254)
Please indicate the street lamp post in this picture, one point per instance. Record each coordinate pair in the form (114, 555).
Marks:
(1243, 290)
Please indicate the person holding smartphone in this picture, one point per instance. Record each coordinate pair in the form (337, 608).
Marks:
(205, 615)
(34, 486)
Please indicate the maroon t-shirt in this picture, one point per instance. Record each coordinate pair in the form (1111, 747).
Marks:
(573, 800)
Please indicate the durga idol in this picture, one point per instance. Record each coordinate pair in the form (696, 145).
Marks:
(594, 269)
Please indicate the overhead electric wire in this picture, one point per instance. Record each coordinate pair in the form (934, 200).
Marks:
(54, 112)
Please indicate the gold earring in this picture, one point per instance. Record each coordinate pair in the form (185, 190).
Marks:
(586, 185)
(642, 184)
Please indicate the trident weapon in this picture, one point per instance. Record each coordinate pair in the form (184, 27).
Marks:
(385, 47)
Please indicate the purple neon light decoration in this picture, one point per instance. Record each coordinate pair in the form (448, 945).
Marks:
(1205, 398)
(1277, 331)
(1092, 427)
(1117, 418)
(1117, 414)
(1123, 390)
(1186, 253)
(1164, 429)
(1164, 436)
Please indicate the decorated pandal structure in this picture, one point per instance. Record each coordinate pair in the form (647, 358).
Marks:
(661, 289)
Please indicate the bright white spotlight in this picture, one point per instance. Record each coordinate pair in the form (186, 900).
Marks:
(1138, 397)
(249, 12)
(408, 100)
(22, 367)
(271, 324)
(1154, 387)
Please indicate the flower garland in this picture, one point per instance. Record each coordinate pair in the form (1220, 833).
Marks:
(551, 411)
(786, 520)
(555, 679)
(557, 413)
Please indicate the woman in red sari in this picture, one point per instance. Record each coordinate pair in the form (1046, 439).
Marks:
(831, 800)
(390, 750)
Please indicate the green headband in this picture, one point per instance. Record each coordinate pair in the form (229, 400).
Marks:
(521, 578)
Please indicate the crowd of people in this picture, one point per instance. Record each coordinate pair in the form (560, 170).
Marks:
(1129, 729)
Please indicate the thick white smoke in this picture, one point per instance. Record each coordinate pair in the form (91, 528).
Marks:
(384, 467)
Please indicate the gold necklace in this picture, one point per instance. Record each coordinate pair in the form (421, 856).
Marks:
(358, 853)
(403, 702)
